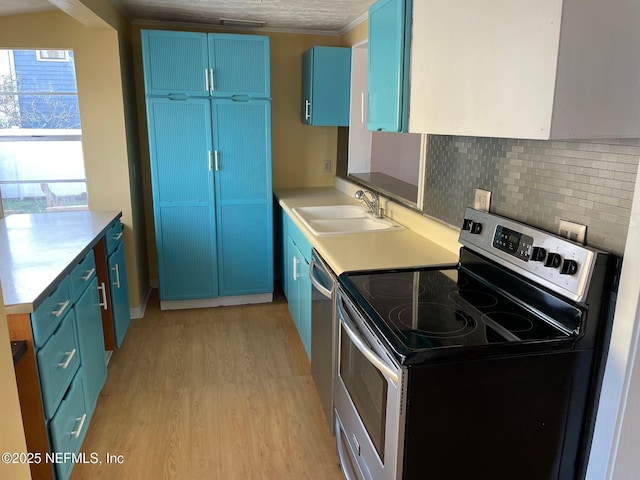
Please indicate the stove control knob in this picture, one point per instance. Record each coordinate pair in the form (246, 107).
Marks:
(553, 260)
(538, 254)
(569, 267)
(467, 223)
(476, 228)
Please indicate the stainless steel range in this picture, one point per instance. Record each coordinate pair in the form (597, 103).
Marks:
(488, 369)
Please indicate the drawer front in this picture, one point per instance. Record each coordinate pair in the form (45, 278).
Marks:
(58, 361)
(69, 425)
(113, 237)
(82, 275)
(48, 316)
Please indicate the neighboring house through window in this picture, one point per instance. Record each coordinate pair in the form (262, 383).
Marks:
(41, 160)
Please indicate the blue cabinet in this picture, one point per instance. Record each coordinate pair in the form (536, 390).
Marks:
(297, 286)
(119, 293)
(91, 344)
(389, 65)
(200, 64)
(211, 174)
(326, 80)
(180, 146)
(242, 137)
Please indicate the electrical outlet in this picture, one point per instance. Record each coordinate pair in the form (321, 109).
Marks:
(482, 200)
(326, 165)
(573, 231)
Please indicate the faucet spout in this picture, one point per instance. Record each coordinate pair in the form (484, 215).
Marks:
(373, 204)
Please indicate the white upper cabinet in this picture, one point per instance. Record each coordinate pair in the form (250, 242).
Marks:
(526, 69)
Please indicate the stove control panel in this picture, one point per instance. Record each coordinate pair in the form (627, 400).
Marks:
(555, 262)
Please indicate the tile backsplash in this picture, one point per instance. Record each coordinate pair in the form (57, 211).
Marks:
(537, 182)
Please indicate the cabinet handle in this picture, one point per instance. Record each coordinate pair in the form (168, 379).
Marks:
(362, 107)
(102, 287)
(118, 236)
(206, 79)
(63, 307)
(215, 160)
(210, 155)
(76, 432)
(213, 79)
(69, 355)
(307, 110)
(88, 275)
(296, 275)
(117, 270)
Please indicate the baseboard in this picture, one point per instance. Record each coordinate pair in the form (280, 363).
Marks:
(216, 302)
(139, 311)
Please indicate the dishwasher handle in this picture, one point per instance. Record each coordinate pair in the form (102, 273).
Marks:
(314, 280)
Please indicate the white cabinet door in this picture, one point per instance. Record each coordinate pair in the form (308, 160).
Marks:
(525, 69)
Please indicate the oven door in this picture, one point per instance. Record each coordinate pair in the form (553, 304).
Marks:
(368, 395)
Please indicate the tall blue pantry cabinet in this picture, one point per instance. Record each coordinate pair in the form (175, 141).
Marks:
(209, 124)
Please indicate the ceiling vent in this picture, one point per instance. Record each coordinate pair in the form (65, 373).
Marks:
(236, 22)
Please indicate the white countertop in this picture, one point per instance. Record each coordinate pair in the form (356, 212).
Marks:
(37, 250)
(362, 251)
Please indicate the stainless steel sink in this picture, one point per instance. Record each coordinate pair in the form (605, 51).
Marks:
(341, 219)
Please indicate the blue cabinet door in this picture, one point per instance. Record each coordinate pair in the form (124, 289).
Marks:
(240, 65)
(244, 205)
(389, 56)
(175, 63)
(120, 309)
(305, 306)
(91, 344)
(326, 80)
(182, 180)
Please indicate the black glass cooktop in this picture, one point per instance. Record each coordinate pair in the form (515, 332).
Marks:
(418, 310)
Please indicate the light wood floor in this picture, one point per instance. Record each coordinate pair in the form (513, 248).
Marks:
(221, 393)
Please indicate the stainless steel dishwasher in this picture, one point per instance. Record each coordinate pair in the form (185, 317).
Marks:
(323, 332)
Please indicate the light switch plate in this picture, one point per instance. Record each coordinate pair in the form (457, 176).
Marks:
(482, 200)
(573, 231)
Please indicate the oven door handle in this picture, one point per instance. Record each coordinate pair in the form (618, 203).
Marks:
(314, 280)
(360, 344)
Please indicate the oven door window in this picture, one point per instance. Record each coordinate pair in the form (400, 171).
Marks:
(367, 388)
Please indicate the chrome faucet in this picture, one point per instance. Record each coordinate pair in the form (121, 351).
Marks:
(373, 204)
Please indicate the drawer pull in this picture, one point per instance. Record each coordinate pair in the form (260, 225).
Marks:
(76, 432)
(118, 236)
(63, 307)
(103, 289)
(117, 270)
(69, 355)
(88, 275)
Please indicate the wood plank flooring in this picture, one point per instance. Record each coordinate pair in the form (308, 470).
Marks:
(220, 393)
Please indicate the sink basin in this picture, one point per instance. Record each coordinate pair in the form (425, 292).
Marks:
(341, 219)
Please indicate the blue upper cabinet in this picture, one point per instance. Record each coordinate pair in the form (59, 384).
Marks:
(175, 63)
(239, 65)
(389, 69)
(204, 65)
(326, 80)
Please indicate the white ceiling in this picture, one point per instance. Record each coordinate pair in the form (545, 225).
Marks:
(319, 15)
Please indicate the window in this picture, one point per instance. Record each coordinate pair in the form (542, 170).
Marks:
(41, 160)
(52, 55)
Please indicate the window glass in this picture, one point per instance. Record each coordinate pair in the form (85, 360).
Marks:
(41, 160)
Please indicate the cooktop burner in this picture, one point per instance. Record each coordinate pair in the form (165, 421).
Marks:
(434, 308)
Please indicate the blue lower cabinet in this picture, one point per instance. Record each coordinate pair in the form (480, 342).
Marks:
(58, 360)
(298, 284)
(120, 309)
(91, 345)
(69, 426)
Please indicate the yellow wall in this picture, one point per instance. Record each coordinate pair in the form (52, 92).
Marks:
(107, 112)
